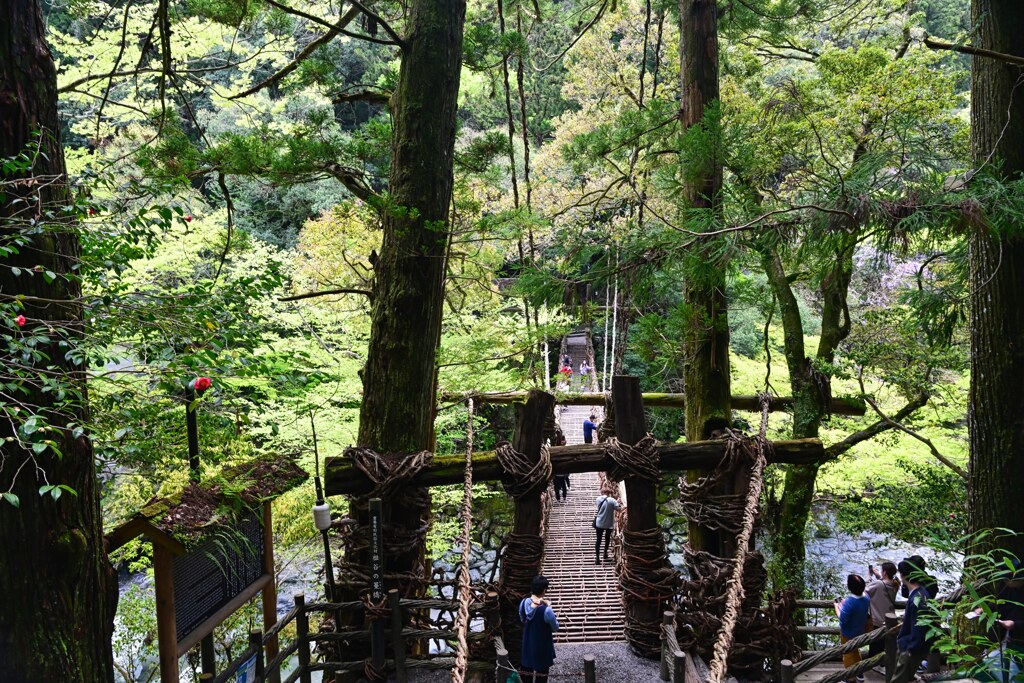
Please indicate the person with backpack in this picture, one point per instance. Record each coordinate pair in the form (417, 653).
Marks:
(881, 591)
(539, 625)
(604, 521)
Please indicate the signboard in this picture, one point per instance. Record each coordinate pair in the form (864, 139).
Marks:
(376, 551)
(211, 575)
(247, 672)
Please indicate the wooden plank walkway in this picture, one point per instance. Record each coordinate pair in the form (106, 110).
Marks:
(586, 597)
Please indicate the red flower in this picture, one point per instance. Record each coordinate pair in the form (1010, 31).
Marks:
(92, 211)
(188, 218)
(20, 320)
(202, 383)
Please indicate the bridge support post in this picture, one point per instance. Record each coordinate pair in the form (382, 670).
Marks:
(524, 552)
(644, 558)
(589, 669)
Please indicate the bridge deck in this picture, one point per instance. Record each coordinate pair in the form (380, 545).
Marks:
(585, 596)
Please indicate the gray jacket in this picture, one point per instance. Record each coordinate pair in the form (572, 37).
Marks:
(606, 507)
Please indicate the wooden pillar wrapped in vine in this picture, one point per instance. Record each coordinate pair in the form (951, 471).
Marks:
(527, 466)
(648, 580)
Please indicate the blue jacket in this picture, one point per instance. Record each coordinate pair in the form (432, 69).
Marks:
(539, 623)
(912, 637)
(588, 429)
(853, 615)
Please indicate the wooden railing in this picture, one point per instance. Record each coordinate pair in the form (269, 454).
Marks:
(394, 632)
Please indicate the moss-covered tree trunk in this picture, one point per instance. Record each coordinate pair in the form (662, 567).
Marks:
(706, 336)
(996, 403)
(397, 412)
(59, 591)
(810, 394)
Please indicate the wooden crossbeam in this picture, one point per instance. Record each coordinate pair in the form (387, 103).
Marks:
(341, 477)
(840, 406)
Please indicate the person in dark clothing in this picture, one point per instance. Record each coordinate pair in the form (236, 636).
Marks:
(927, 581)
(561, 487)
(539, 625)
(604, 522)
(912, 639)
(588, 429)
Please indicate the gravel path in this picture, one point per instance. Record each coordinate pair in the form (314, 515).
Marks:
(616, 663)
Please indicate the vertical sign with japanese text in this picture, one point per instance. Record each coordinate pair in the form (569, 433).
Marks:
(377, 579)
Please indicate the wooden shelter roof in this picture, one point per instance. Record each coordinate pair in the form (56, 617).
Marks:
(184, 518)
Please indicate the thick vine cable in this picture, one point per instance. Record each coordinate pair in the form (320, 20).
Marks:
(735, 586)
(465, 594)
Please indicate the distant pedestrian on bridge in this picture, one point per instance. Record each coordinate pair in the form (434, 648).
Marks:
(561, 487)
(588, 429)
(603, 524)
(539, 625)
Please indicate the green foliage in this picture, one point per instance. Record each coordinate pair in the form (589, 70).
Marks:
(932, 495)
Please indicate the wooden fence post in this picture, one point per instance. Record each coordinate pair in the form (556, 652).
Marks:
(256, 643)
(787, 671)
(302, 633)
(679, 667)
(667, 618)
(397, 639)
(504, 667)
(891, 650)
(589, 669)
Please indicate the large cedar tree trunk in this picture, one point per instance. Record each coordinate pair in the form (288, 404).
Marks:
(706, 336)
(397, 413)
(996, 403)
(59, 593)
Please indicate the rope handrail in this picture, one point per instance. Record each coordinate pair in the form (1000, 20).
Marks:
(860, 641)
(855, 670)
(465, 595)
(735, 584)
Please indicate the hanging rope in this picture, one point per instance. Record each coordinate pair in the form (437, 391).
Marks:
(734, 587)
(465, 593)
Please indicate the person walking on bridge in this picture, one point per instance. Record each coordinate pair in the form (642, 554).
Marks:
(588, 429)
(539, 625)
(603, 523)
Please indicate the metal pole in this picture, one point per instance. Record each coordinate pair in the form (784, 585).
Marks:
(193, 433)
(209, 660)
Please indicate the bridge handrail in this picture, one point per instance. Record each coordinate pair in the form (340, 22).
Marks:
(849, 646)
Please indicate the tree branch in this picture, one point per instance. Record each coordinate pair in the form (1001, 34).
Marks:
(937, 44)
(363, 96)
(935, 451)
(353, 182)
(331, 34)
(380, 22)
(327, 292)
(882, 425)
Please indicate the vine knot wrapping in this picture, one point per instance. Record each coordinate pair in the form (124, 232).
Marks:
(523, 477)
(638, 460)
(390, 472)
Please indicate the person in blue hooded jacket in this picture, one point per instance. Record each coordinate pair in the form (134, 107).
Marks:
(539, 625)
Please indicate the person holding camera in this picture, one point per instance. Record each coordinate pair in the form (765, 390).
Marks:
(853, 613)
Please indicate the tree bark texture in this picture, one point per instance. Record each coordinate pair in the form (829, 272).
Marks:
(706, 336)
(59, 591)
(397, 412)
(996, 403)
